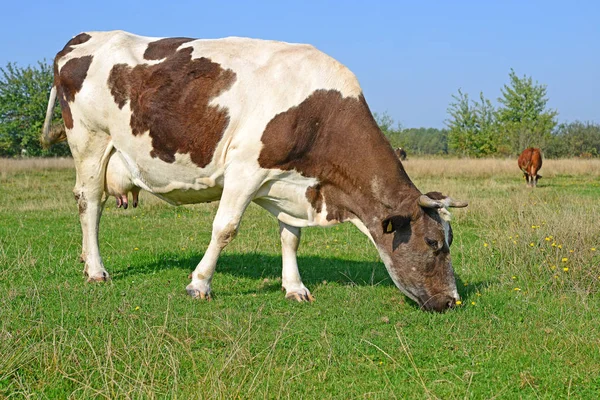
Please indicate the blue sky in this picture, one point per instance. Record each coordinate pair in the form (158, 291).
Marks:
(409, 56)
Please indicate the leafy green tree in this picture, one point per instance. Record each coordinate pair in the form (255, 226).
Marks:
(575, 139)
(472, 126)
(523, 117)
(23, 101)
(461, 124)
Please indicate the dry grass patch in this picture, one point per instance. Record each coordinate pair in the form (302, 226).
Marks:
(12, 165)
(492, 167)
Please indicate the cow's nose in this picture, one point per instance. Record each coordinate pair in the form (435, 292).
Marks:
(440, 303)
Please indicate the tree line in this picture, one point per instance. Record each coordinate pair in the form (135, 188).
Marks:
(474, 128)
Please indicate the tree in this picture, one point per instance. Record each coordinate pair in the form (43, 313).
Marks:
(23, 101)
(523, 117)
(575, 139)
(413, 140)
(472, 127)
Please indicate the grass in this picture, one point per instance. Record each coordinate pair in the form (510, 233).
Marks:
(527, 263)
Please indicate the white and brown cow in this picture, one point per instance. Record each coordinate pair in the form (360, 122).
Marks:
(241, 120)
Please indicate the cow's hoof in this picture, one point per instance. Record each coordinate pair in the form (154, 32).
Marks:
(198, 294)
(301, 296)
(101, 277)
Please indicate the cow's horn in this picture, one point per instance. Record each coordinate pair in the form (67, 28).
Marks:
(455, 203)
(428, 202)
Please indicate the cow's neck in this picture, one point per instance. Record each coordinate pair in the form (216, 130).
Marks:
(387, 193)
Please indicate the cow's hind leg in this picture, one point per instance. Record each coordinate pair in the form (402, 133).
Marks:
(90, 153)
(290, 276)
(234, 200)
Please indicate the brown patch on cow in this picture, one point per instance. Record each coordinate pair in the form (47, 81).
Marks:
(164, 47)
(72, 75)
(64, 105)
(69, 82)
(79, 39)
(337, 141)
(170, 100)
(81, 202)
(315, 197)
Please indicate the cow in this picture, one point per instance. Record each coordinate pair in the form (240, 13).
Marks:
(400, 153)
(241, 120)
(530, 162)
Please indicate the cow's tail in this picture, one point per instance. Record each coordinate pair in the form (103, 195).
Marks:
(52, 133)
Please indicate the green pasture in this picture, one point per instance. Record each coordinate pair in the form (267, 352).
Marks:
(528, 270)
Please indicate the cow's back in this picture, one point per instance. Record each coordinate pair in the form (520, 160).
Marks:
(182, 110)
(525, 159)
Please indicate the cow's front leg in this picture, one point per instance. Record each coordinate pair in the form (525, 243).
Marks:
(290, 276)
(225, 227)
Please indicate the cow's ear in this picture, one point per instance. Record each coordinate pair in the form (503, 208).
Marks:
(395, 223)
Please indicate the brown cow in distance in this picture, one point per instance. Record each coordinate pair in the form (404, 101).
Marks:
(401, 153)
(530, 162)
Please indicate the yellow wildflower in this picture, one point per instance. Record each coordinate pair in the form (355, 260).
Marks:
(458, 302)
(571, 251)
(517, 289)
(135, 249)
(547, 239)
(137, 308)
(560, 246)
(593, 249)
(564, 259)
(472, 303)
(485, 245)
(566, 269)
(531, 244)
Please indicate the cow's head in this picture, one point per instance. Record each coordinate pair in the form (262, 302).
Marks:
(415, 247)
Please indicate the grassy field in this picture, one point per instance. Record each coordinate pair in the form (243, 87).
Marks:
(527, 264)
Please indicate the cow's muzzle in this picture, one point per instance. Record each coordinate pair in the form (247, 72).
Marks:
(439, 303)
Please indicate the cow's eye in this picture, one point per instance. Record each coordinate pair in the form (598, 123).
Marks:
(432, 243)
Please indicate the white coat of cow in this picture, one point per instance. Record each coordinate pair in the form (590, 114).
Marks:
(241, 120)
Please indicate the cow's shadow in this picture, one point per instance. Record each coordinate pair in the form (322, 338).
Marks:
(267, 268)
(255, 265)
